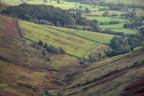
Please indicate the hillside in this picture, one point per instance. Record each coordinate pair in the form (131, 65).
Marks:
(25, 71)
(108, 77)
(74, 43)
(71, 48)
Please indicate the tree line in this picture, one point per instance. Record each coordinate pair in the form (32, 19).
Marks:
(120, 44)
(47, 48)
(125, 43)
(48, 14)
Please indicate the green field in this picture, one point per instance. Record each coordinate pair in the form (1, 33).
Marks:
(93, 36)
(124, 1)
(113, 27)
(99, 13)
(104, 19)
(64, 5)
(73, 45)
(77, 43)
(119, 28)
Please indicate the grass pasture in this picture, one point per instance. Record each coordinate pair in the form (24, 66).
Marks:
(12, 2)
(104, 19)
(75, 42)
(93, 36)
(64, 5)
(119, 28)
(124, 1)
(73, 45)
(114, 27)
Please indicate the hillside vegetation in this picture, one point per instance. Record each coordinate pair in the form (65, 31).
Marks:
(41, 13)
(71, 48)
(108, 77)
(11, 40)
(73, 44)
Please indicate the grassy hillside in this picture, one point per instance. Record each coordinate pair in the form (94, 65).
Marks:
(64, 5)
(9, 31)
(108, 77)
(114, 27)
(92, 36)
(24, 70)
(77, 45)
(119, 28)
(105, 19)
(40, 1)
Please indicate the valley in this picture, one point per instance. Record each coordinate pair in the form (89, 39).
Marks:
(71, 47)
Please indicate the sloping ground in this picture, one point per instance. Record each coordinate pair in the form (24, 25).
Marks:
(21, 81)
(24, 71)
(136, 88)
(73, 45)
(108, 77)
(15, 48)
(3, 6)
(8, 27)
(89, 35)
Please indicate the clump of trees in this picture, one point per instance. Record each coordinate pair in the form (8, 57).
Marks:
(136, 22)
(49, 48)
(119, 45)
(48, 14)
(125, 43)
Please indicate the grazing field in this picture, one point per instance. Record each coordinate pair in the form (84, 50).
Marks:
(93, 36)
(72, 44)
(114, 27)
(124, 1)
(119, 28)
(12, 2)
(63, 5)
(104, 19)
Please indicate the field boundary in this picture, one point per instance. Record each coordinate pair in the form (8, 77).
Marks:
(76, 35)
(22, 36)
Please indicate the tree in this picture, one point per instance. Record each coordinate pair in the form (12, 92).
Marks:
(87, 10)
(23, 1)
(59, 1)
(42, 14)
(141, 30)
(119, 45)
(106, 13)
(45, 1)
(45, 93)
(40, 43)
